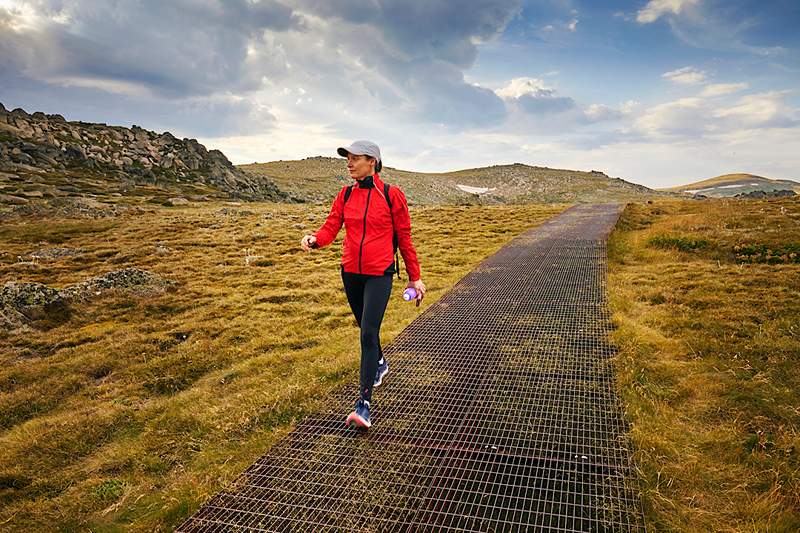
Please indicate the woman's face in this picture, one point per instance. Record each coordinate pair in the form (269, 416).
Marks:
(360, 166)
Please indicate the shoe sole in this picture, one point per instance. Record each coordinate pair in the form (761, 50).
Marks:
(356, 420)
(380, 378)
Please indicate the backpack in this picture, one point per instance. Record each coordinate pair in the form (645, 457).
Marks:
(347, 193)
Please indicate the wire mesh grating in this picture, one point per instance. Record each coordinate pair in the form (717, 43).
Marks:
(499, 414)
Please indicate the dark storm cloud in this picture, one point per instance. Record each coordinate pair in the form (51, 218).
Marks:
(406, 57)
(442, 30)
(178, 48)
(422, 48)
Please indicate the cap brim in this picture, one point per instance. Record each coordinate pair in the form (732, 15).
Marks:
(342, 151)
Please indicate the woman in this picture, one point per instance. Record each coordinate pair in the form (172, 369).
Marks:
(376, 225)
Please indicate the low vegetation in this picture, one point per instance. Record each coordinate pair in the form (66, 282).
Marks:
(311, 179)
(133, 411)
(705, 296)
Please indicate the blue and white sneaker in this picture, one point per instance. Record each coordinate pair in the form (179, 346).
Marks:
(383, 369)
(360, 416)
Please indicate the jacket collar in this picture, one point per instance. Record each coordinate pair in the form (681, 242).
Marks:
(370, 182)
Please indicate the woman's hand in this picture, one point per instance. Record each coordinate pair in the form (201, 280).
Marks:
(308, 242)
(419, 287)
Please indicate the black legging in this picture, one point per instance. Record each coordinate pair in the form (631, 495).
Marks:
(368, 296)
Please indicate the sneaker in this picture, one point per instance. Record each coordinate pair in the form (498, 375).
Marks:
(360, 416)
(383, 369)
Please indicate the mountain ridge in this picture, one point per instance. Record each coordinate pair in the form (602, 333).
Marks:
(319, 178)
(67, 158)
(736, 184)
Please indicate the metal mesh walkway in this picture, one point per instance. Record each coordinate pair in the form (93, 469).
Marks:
(499, 413)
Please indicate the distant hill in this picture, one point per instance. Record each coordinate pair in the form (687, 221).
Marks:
(318, 179)
(49, 164)
(730, 185)
(45, 158)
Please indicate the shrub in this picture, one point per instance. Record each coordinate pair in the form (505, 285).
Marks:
(684, 244)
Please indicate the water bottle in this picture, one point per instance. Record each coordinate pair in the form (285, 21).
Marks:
(409, 294)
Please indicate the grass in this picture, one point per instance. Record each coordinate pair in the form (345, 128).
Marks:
(132, 412)
(705, 297)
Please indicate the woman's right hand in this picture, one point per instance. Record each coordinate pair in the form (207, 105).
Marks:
(307, 242)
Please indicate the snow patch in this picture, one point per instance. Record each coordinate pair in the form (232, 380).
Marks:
(693, 191)
(474, 190)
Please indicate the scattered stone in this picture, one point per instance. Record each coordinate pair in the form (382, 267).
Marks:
(767, 194)
(49, 254)
(177, 201)
(11, 199)
(130, 278)
(22, 303)
(162, 250)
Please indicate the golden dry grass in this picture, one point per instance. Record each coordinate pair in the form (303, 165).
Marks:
(128, 415)
(709, 341)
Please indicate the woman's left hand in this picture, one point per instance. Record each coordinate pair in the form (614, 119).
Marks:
(419, 287)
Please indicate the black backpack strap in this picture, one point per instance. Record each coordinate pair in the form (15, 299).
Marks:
(347, 193)
(394, 232)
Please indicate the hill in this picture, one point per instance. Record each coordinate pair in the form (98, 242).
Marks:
(320, 178)
(49, 164)
(46, 159)
(730, 185)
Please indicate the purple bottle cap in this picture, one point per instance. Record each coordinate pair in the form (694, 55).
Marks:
(409, 294)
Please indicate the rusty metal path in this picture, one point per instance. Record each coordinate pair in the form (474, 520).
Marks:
(499, 413)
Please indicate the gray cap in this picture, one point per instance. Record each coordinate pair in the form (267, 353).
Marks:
(363, 148)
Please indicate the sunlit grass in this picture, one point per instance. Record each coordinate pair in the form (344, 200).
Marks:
(135, 410)
(710, 348)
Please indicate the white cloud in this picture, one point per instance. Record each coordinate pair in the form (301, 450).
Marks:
(601, 112)
(759, 111)
(521, 86)
(683, 116)
(695, 117)
(685, 76)
(655, 9)
(629, 106)
(572, 24)
(531, 95)
(719, 89)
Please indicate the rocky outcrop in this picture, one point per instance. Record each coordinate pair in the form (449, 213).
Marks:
(41, 142)
(24, 303)
(767, 194)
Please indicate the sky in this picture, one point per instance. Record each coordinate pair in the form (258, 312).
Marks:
(657, 92)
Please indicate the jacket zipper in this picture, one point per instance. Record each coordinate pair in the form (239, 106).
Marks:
(364, 233)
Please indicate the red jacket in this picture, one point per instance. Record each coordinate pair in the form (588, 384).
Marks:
(368, 247)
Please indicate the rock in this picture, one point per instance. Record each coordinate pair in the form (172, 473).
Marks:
(74, 151)
(177, 201)
(23, 303)
(125, 279)
(49, 254)
(10, 199)
(162, 250)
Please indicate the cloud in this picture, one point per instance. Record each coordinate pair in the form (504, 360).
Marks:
(174, 49)
(341, 53)
(762, 110)
(572, 24)
(601, 112)
(683, 116)
(719, 89)
(531, 95)
(685, 76)
(695, 117)
(708, 25)
(655, 9)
